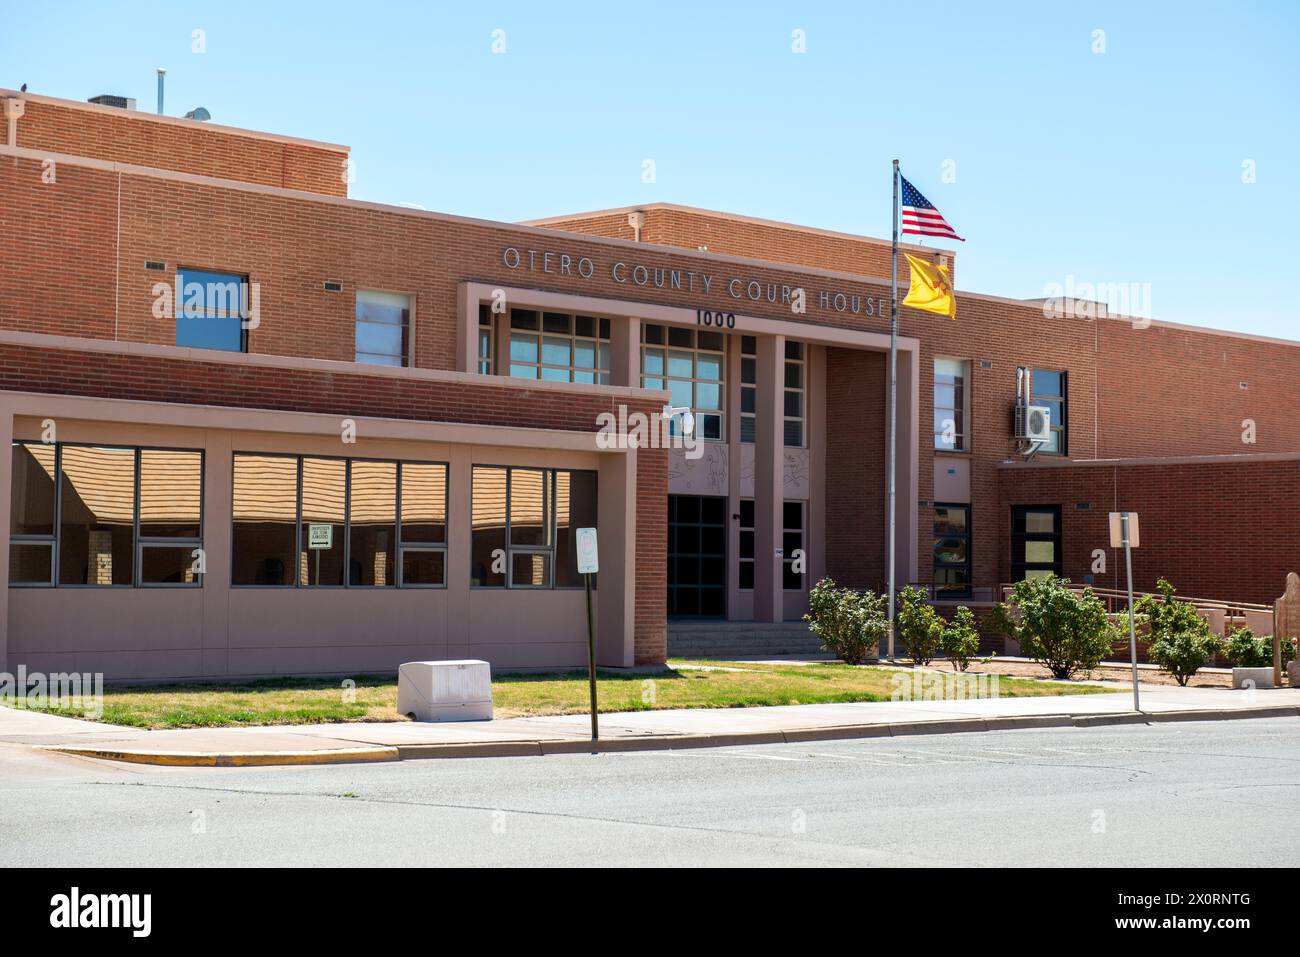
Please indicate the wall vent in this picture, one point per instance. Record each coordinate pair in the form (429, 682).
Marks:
(333, 286)
(154, 265)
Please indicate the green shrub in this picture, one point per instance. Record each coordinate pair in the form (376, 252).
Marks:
(850, 624)
(1061, 630)
(960, 640)
(1244, 650)
(918, 626)
(1181, 640)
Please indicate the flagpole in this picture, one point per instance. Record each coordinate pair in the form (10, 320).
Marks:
(893, 409)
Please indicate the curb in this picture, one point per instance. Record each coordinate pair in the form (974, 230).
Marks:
(233, 759)
(660, 742)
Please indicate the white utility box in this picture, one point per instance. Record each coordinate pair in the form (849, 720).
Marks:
(445, 690)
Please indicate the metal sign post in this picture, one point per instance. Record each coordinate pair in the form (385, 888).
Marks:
(1124, 531)
(588, 564)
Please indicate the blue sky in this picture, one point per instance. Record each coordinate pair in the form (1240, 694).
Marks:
(1117, 167)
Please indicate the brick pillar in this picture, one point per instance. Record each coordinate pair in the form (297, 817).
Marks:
(769, 484)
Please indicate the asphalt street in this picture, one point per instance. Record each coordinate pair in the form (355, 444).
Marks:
(1170, 795)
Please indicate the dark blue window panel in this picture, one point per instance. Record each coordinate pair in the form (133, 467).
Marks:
(208, 308)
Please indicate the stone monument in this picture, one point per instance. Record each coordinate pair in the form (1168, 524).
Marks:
(1286, 626)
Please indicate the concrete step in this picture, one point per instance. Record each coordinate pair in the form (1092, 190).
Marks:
(737, 639)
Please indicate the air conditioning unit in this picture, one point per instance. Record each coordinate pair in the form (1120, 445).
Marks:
(1033, 423)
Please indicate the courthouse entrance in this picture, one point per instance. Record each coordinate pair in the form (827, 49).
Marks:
(697, 556)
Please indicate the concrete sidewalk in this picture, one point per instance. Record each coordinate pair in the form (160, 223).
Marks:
(624, 731)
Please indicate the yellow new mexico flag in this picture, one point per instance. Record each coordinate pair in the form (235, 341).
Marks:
(931, 288)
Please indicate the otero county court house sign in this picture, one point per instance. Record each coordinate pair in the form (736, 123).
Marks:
(740, 288)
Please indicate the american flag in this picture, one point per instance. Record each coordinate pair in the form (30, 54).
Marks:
(920, 216)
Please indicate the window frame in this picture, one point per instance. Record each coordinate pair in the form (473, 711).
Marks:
(138, 543)
(51, 540)
(601, 374)
(801, 362)
(963, 443)
(741, 558)
(1060, 427)
(408, 329)
(666, 347)
(401, 548)
(486, 325)
(245, 332)
(398, 546)
(549, 506)
(787, 560)
(1019, 538)
(749, 386)
(967, 565)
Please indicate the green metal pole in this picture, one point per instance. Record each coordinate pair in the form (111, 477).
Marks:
(591, 662)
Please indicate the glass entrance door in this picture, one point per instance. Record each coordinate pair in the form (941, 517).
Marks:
(697, 556)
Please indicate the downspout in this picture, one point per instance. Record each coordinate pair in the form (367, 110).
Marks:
(636, 220)
(14, 108)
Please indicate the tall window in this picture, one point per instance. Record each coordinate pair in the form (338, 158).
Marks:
(311, 521)
(791, 542)
(372, 523)
(424, 525)
(1049, 389)
(794, 394)
(210, 310)
(746, 559)
(485, 329)
(952, 559)
(31, 514)
(1035, 541)
(105, 515)
(383, 328)
(322, 517)
(265, 538)
(748, 391)
(950, 405)
(688, 363)
(524, 525)
(558, 347)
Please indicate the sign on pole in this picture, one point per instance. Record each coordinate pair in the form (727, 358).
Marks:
(1117, 529)
(589, 564)
(588, 557)
(320, 536)
(1124, 534)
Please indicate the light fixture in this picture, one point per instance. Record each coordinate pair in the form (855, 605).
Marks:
(688, 420)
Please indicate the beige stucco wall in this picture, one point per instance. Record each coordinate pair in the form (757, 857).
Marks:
(219, 630)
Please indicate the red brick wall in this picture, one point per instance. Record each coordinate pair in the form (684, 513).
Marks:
(72, 268)
(1228, 531)
(732, 236)
(157, 379)
(141, 139)
(856, 450)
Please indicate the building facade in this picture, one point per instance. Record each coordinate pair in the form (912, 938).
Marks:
(259, 427)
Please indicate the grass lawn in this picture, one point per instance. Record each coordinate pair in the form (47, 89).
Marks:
(684, 684)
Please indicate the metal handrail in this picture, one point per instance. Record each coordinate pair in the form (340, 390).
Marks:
(1111, 596)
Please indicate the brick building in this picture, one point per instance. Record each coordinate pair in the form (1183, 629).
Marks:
(259, 427)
